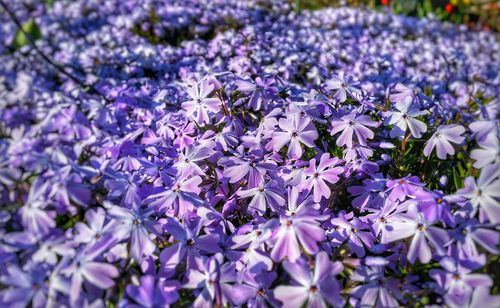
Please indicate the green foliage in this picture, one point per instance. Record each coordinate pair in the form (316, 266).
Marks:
(31, 29)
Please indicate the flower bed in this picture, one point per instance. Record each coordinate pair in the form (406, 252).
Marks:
(229, 153)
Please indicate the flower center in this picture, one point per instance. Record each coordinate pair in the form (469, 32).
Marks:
(313, 289)
(289, 223)
(136, 222)
(420, 227)
(294, 135)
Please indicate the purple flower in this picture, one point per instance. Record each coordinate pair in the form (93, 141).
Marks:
(251, 168)
(254, 290)
(434, 207)
(200, 104)
(95, 227)
(457, 283)
(125, 187)
(211, 279)
(376, 289)
(295, 130)
(299, 227)
(52, 246)
(259, 92)
(404, 93)
(400, 189)
(318, 176)
(484, 193)
(353, 125)
(412, 224)
(22, 288)
(193, 156)
(470, 233)
(180, 198)
(33, 215)
(188, 243)
(152, 292)
(318, 288)
(370, 194)
(355, 232)
(133, 225)
(265, 196)
(441, 140)
(342, 85)
(84, 268)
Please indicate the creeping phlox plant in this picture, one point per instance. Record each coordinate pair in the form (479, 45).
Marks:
(237, 153)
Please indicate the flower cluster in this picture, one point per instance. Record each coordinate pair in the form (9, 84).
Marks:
(232, 153)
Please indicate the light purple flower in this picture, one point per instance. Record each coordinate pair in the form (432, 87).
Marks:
(400, 189)
(342, 85)
(318, 176)
(21, 287)
(457, 282)
(188, 243)
(484, 194)
(180, 198)
(133, 225)
(424, 236)
(200, 104)
(193, 156)
(488, 153)
(299, 227)
(318, 288)
(294, 130)
(95, 227)
(442, 139)
(353, 125)
(211, 279)
(376, 290)
(265, 196)
(84, 268)
(254, 290)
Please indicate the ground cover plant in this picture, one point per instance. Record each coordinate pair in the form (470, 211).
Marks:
(245, 153)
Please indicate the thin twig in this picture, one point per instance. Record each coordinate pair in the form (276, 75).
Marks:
(57, 66)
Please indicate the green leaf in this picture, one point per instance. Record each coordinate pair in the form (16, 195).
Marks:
(32, 29)
(457, 179)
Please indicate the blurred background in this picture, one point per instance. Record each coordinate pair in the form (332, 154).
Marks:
(483, 14)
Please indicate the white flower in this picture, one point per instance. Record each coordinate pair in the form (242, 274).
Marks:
(404, 118)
